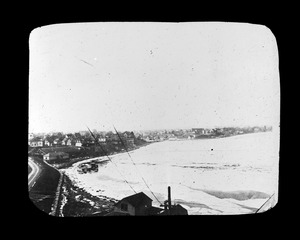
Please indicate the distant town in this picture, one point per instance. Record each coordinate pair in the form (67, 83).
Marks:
(59, 147)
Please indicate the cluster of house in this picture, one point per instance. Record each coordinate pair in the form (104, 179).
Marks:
(156, 136)
(44, 142)
(129, 138)
(125, 137)
(201, 132)
(70, 140)
(192, 133)
(227, 131)
(50, 154)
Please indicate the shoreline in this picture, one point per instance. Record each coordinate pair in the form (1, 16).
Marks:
(88, 158)
(108, 200)
(70, 163)
(78, 201)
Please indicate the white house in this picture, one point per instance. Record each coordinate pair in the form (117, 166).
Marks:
(78, 143)
(57, 142)
(69, 142)
(36, 143)
(47, 143)
(102, 139)
(64, 141)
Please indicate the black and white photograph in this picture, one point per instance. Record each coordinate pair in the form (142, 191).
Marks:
(153, 119)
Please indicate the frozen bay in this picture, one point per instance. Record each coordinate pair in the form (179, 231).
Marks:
(232, 175)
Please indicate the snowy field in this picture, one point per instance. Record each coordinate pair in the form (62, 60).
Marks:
(233, 175)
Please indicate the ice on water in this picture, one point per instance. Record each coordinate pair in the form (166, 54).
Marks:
(233, 175)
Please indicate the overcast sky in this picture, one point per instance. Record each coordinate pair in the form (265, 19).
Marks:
(141, 76)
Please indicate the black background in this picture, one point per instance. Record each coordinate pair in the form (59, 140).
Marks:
(278, 21)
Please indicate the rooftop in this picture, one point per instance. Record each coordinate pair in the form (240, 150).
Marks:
(136, 199)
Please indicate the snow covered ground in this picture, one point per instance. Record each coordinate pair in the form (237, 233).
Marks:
(233, 175)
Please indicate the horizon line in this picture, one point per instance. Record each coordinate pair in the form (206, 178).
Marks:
(153, 129)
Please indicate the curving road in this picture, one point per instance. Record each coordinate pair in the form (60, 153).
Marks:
(42, 184)
(34, 174)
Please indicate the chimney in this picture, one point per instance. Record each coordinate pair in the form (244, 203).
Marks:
(169, 198)
(166, 205)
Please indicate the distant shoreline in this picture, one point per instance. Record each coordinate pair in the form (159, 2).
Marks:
(225, 136)
(100, 159)
(148, 143)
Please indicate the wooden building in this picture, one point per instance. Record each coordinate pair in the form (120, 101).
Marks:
(134, 205)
